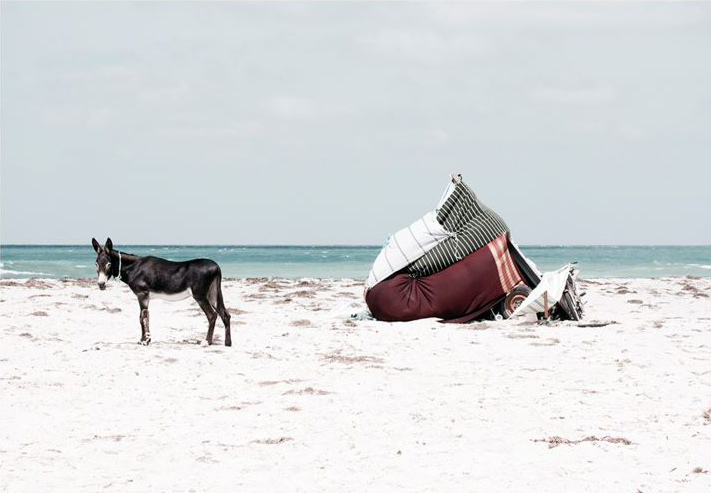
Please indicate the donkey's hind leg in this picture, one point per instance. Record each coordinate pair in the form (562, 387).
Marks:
(211, 318)
(224, 315)
(215, 296)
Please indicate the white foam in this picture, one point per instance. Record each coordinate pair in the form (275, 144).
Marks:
(23, 273)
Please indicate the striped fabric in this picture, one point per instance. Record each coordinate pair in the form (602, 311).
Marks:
(460, 293)
(508, 275)
(405, 246)
(473, 224)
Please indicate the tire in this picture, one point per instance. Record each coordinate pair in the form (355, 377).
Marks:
(513, 299)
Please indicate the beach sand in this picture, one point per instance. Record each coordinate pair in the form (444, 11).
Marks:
(308, 400)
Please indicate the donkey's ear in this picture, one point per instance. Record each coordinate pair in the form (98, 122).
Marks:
(109, 245)
(95, 244)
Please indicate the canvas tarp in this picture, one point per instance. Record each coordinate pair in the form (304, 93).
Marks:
(455, 293)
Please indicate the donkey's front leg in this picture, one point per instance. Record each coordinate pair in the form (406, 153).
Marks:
(145, 328)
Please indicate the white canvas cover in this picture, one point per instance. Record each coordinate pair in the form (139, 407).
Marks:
(406, 246)
(553, 283)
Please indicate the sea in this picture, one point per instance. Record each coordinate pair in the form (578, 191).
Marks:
(352, 262)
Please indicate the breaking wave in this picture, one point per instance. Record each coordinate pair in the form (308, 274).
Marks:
(17, 273)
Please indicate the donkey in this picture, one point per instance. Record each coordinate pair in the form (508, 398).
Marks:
(153, 277)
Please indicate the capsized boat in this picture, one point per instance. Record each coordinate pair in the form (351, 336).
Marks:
(458, 263)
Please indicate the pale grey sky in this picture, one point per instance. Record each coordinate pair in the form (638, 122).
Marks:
(338, 123)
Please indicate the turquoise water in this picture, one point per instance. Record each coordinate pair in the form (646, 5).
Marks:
(352, 261)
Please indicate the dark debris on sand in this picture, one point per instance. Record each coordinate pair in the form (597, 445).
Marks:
(556, 441)
(273, 441)
(337, 357)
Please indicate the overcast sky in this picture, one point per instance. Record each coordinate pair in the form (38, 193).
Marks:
(338, 123)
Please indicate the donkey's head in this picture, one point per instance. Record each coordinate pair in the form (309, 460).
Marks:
(103, 261)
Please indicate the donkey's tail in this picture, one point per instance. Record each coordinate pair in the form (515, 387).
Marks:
(220, 308)
(214, 294)
(220, 305)
(216, 299)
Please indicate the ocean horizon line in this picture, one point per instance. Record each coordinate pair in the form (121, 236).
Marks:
(348, 245)
(352, 261)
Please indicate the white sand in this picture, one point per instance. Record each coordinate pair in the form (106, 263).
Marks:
(306, 401)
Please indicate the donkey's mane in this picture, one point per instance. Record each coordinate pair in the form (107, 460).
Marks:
(127, 256)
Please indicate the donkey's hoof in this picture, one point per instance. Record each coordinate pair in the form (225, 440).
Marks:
(144, 342)
(204, 343)
(228, 342)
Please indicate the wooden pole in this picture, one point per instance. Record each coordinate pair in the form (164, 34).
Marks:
(545, 305)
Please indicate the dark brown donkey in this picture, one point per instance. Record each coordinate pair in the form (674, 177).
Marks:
(153, 277)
